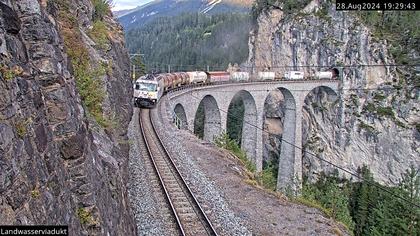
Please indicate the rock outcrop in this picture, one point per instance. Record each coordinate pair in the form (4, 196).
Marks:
(374, 121)
(63, 119)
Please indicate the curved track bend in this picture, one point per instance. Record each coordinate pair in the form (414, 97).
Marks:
(190, 217)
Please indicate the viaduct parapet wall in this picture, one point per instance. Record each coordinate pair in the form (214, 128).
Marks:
(216, 100)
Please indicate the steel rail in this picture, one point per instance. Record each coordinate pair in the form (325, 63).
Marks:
(204, 220)
(203, 214)
(159, 176)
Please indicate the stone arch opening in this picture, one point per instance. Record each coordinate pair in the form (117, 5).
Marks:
(336, 72)
(235, 118)
(242, 122)
(320, 127)
(207, 121)
(181, 117)
(279, 134)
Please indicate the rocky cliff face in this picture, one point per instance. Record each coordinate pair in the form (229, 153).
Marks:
(64, 110)
(376, 117)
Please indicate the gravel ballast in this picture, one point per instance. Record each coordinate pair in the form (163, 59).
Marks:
(219, 182)
(150, 211)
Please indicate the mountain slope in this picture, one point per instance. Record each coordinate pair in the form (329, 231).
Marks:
(159, 8)
(192, 41)
(122, 13)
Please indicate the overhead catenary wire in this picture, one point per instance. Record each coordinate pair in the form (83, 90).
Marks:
(326, 161)
(160, 66)
(341, 89)
(305, 90)
(179, 125)
(290, 66)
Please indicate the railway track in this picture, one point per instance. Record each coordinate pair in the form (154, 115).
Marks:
(189, 216)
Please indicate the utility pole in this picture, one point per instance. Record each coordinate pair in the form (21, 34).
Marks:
(134, 66)
(169, 68)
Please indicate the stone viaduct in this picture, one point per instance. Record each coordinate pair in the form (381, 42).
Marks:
(216, 100)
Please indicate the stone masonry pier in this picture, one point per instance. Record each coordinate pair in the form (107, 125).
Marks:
(216, 100)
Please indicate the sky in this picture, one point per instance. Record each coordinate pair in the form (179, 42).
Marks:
(128, 4)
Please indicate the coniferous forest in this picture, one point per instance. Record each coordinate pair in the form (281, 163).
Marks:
(192, 41)
(366, 207)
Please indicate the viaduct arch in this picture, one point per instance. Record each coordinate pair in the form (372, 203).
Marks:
(217, 98)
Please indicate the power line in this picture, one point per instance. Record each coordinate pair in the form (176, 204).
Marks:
(220, 128)
(337, 66)
(289, 66)
(303, 90)
(324, 160)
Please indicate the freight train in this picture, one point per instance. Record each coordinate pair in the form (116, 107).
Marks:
(149, 88)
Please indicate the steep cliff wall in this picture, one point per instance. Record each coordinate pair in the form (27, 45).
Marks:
(64, 110)
(374, 120)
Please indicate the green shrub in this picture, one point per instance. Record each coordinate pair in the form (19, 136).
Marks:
(10, 73)
(385, 111)
(91, 90)
(312, 203)
(379, 97)
(370, 108)
(21, 128)
(322, 13)
(379, 111)
(268, 178)
(370, 129)
(35, 193)
(199, 121)
(223, 141)
(235, 119)
(99, 34)
(102, 8)
(288, 6)
(330, 195)
(85, 216)
(87, 75)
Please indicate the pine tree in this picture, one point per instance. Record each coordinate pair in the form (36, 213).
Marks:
(410, 188)
(192, 39)
(140, 67)
(363, 198)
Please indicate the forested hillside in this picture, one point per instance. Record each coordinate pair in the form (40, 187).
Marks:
(147, 13)
(192, 41)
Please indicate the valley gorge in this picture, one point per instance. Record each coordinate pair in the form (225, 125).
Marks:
(71, 146)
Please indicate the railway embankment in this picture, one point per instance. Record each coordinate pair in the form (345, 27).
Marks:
(221, 185)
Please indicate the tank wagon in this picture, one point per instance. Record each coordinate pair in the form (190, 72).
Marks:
(197, 77)
(150, 88)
